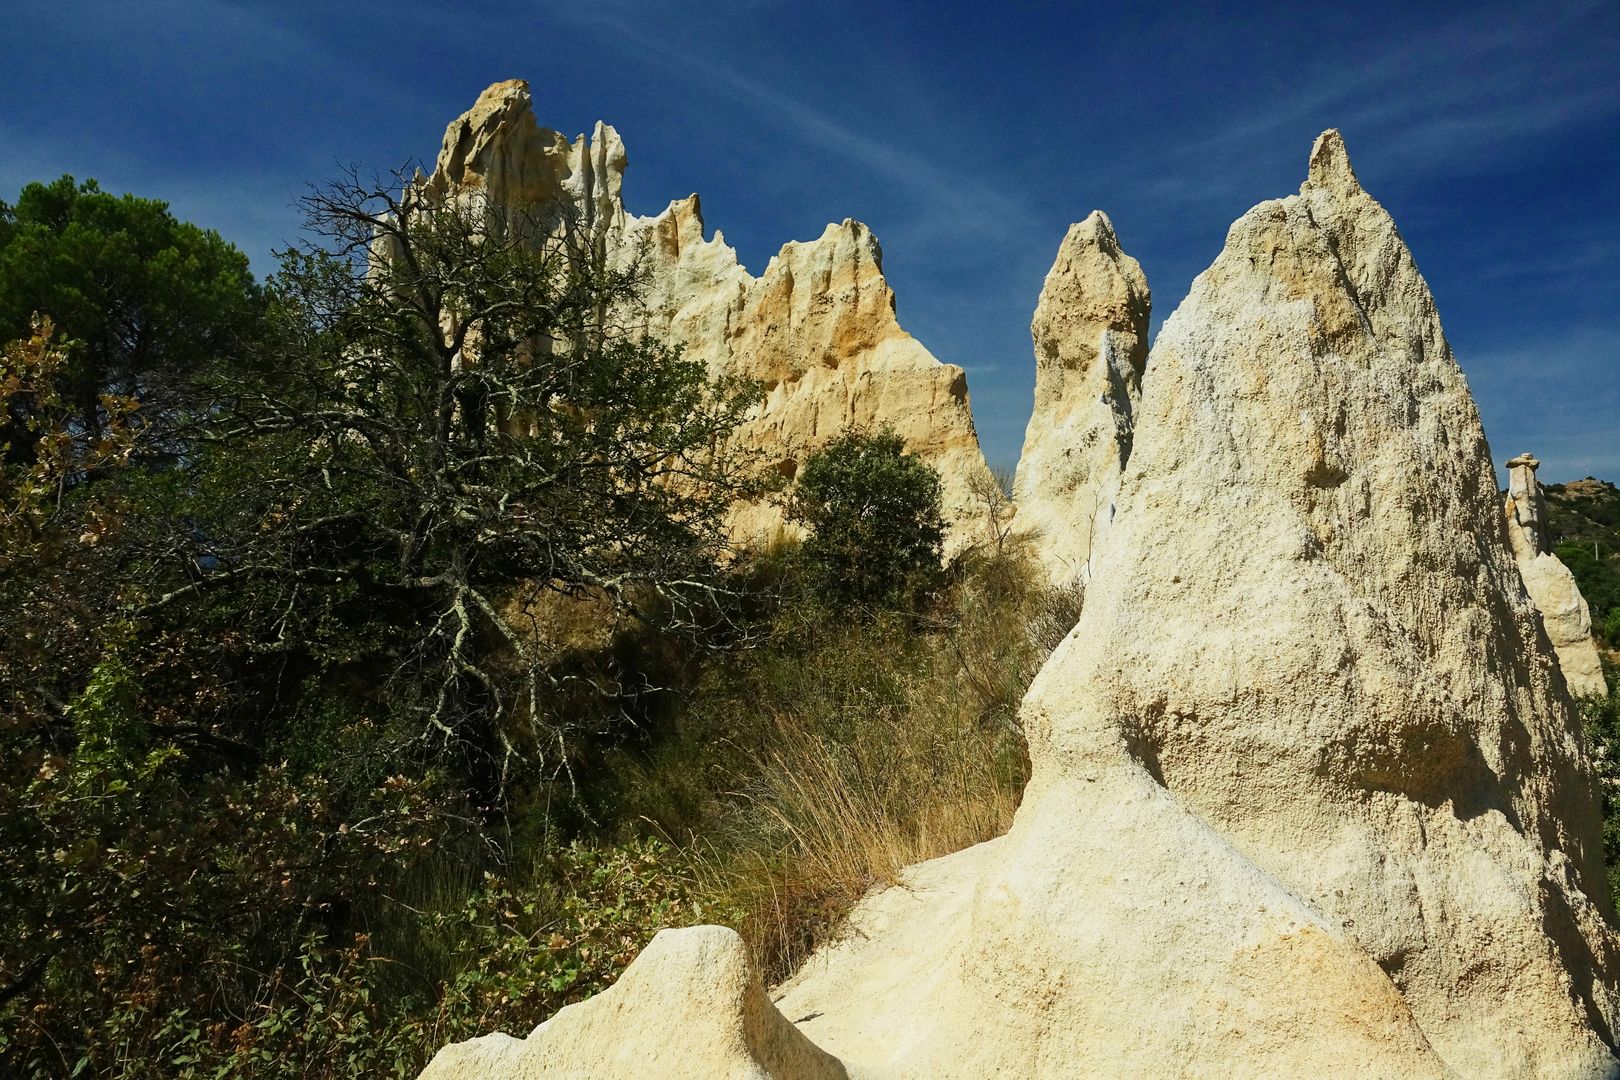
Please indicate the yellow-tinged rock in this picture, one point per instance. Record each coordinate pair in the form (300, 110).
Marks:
(1090, 332)
(817, 328)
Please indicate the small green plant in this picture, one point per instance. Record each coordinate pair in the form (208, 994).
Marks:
(873, 515)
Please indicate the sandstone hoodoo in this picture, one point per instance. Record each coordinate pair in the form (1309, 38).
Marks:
(817, 329)
(1308, 795)
(1552, 587)
(1090, 333)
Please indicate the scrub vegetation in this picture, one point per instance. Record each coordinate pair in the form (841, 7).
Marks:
(375, 670)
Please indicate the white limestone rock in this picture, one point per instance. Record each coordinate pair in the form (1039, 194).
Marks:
(496, 151)
(1306, 788)
(1552, 588)
(817, 328)
(1307, 794)
(691, 1005)
(1091, 341)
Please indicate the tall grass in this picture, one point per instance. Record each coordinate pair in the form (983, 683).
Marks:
(818, 765)
(810, 760)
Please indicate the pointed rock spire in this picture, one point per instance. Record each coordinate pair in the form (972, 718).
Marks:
(1330, 163)
(1090, 334)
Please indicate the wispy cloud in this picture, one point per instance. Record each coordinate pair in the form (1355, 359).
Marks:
(968, 201)
(1553, 394)
(1469, 90)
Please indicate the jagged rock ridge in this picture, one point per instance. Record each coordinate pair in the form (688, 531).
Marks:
(817, 328)
(1307, 793)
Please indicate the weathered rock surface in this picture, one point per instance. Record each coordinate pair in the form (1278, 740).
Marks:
(498, 151)
(1306, 716)
(690, 1006)
(818, 328)
(1091, 341)
(1551, 586)
(1307, 795)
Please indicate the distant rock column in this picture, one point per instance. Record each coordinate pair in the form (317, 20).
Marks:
(1551, 586)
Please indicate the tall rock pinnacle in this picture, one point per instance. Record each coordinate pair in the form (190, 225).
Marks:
(1307, 634)
(1552, 588)
(1090, 333)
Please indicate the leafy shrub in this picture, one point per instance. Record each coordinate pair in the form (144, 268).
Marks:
(155, 927)
(148, 911)
(873, 513)
(1599, 582)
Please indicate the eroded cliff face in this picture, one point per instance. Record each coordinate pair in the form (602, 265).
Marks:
(1552, 588)
(1090, 333)
(1307, 791)
(817, 328)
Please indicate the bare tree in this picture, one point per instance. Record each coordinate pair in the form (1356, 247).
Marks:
(450, 421)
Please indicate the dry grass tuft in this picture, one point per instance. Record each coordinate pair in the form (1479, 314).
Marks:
(869, 747)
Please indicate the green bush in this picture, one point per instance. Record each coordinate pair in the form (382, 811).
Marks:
(1601, 720)
(158, 928)
(874, 521)
(1599, 580)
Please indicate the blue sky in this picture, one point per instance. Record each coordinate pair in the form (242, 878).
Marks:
(966, 136)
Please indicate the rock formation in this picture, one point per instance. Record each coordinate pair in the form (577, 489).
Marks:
(1552, 587)
(1090, 331)
(690, 1006)
(497, 152)
(817, 329)
(1307, 793)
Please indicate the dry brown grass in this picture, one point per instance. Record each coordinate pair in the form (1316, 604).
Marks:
(874, 746)
(834, 819)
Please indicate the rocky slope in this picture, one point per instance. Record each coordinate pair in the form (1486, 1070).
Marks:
(1307, 792)
(817, 328)
(1090, 333)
